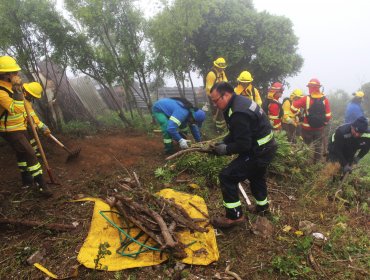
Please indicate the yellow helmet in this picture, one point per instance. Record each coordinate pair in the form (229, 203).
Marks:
(8, 64)
(34, 88)
(296, 93)
(245, 77)
(220, 63)
(359, 94)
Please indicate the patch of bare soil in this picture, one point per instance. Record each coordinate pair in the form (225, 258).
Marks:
(103, 162)
(103, 159)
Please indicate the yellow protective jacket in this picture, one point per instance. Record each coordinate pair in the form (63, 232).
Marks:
(214, 77)
(16, 115)
(289, 117)
(251, 92)
(35, 118)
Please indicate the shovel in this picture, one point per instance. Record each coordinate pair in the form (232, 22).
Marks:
(32, 124)
(72, 154)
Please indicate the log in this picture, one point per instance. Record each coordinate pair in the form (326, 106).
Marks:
(190, 150)
(52, 226)
(168, 240)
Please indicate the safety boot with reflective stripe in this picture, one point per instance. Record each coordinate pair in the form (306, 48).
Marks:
(27, 179)
(233, 210)
(261, 208)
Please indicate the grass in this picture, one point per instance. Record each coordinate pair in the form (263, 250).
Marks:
(298, 191)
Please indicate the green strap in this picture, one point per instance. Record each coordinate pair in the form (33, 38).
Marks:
(365, 135)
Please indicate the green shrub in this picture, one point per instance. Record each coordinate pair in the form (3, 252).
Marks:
(79, 128)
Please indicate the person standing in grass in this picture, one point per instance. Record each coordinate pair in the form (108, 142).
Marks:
(251, 137)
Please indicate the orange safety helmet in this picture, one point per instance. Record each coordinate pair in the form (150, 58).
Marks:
(277, 87)
(314, 83)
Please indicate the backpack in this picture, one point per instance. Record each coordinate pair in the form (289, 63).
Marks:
(266, 105)
(316, 113)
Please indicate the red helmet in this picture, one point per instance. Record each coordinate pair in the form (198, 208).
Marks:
(276, 87)
(314, 83)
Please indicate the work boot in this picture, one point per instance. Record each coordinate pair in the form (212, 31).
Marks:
(259, 210)
(224, 223)
(27, 180)
(41, 187)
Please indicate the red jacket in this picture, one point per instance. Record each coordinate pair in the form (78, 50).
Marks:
(274, 114)
(305, 103)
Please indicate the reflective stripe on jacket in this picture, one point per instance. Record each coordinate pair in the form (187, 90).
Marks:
(177, 116)
(252, 127)
(214, 77)
(16, 116)
(34, 116)
(274, 114)
(305, 102)
(250, 92)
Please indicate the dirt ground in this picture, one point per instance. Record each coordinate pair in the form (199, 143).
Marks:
(103, 161)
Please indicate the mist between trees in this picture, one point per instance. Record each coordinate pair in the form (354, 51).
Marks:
(120, 58)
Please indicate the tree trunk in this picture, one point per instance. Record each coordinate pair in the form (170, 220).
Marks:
(194, 93)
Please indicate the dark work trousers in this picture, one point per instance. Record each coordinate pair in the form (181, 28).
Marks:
(217, 116)
(314, 137)
(18, 140)
(290, 130)
(243, 168)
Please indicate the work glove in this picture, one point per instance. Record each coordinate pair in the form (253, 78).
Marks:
(17, 88)
(220, 149)
(16, 83)
(347, 169)
(45, 130)
(183, 144)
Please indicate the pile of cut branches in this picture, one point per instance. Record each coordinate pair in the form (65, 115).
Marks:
(160, 218)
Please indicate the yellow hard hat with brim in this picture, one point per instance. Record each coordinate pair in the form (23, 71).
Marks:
(297, 93)
(220, 63)
(359, 94)
(34, 88)
(8, 64)
(245, 77)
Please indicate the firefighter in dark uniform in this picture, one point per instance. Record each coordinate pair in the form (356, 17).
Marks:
(347, 140)
(251, 137)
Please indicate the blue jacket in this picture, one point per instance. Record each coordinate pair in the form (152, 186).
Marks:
(178, 117)
(353, 112)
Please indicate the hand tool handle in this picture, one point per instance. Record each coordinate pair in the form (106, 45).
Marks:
(32, 124)
(60, 143)
(244, 194)
(56, 140)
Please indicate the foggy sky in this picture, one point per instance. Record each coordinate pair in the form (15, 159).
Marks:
(333, 40)
(333, 37)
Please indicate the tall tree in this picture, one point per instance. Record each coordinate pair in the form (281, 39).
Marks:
(261, 43)
(32, 31)
(171, 31)
(116, 32)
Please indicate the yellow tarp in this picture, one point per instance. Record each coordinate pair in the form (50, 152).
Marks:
(203, 252)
